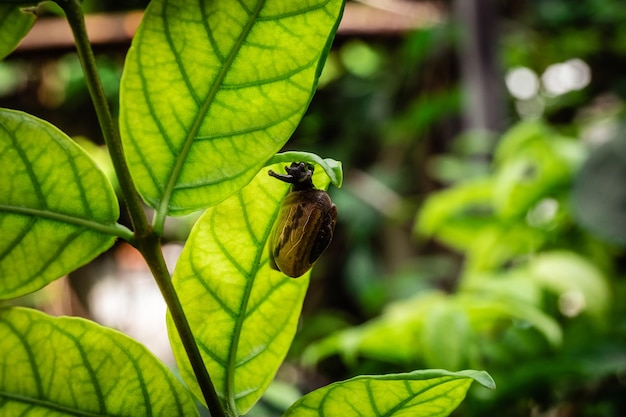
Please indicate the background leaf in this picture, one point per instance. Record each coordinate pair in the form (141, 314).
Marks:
(568, 273)
(431, 393)
(242, 313)
(599, 193)
(531, 162)
(71, 366)
(455, 215)
(57, 209)
(211, 90)
(14, 25)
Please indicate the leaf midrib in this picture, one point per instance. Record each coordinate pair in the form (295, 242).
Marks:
(48, 405)
(114, 229)
(204, 109)
(241, 318)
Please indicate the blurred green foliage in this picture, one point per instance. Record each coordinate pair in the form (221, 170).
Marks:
(515, 262)
(537, 297)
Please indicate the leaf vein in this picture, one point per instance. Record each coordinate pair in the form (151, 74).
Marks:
(11, 246)
(27, 164)
(211, 292)
(296, 12)
(29, 352)
(177, 56)
(204, 109)
(88, 366)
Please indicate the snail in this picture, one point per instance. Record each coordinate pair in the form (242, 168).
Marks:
(305, 223)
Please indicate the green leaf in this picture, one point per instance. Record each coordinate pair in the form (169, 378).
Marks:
(432, 393)
(14, 25)
(519, 137)
(73, 367)
(498, 246)
(57, 209)
(243, 314)
(211, 90)
(457, 215)
(571, 275)
(446, 333)
(333, 168)
(526, 179)
(395, 336)
(487, 311)
(532, 161)
(438, 327)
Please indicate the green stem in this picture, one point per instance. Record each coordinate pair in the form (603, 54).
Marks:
(154, 257)
(75, 17)
(145, 239)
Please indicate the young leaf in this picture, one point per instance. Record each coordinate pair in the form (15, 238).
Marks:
(432, 393)
(212, 89)
(331, 167)
(14, 24)
(243, 313)
(74, 367)
(57, 209)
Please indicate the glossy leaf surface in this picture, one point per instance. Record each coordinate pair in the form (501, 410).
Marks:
(432, 393)
(57, 209)
(242, 313)
(14, 24)
(74, 367)
(212, 89)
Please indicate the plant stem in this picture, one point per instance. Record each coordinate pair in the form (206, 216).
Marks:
(154, 258)
(75, 17)
(144, 239)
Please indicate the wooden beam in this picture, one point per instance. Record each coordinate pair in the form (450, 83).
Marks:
(382, 17)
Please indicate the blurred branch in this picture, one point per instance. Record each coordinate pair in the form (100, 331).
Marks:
(479, 66)
(377, 17)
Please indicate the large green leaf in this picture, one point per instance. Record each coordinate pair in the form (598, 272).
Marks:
(212, 89)
(429, 393)
(73, 367)
(57, 209)
(243, 313)
(446, 335)
(14, 24)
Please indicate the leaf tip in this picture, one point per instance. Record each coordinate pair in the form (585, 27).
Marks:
(482, 377)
